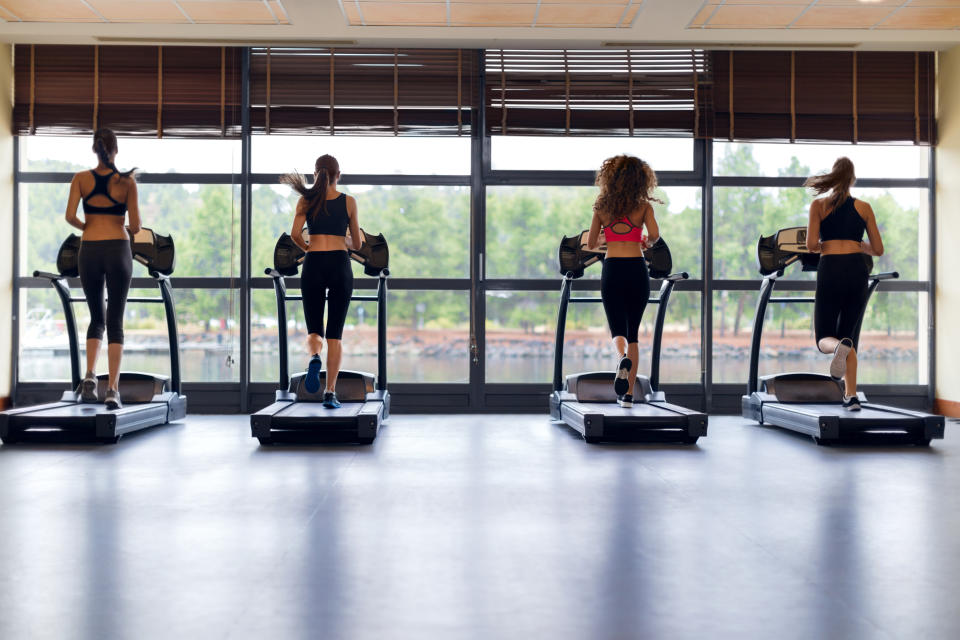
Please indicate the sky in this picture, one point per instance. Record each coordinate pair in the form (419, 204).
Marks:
(451, 156)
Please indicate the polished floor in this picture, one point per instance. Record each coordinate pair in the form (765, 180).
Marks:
(478, 527)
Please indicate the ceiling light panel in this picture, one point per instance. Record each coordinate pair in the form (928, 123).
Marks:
(827, 14)
(260, 12)
(491, 13)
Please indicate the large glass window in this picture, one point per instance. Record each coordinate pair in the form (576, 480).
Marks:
(526, 224)
(149, 155)
(801, 160)
(890, 340)
(426, 227)
(363, 155)
(521, 328)
(569, 153)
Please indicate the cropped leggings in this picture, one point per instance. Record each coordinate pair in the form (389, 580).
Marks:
(625, 289)
(110, 263)
(326, 276)
(841, 296)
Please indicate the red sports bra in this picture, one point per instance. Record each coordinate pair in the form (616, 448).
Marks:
(622, 230)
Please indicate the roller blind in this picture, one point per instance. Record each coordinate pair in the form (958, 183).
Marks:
(362, 91)
(825, 96)
(608, 92)
(136, 91)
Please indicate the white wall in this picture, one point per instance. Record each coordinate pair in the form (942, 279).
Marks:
(6, 216)
(948, 233)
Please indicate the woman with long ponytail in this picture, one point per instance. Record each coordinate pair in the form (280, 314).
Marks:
(109, 198)
(835, 229)
(326, 275)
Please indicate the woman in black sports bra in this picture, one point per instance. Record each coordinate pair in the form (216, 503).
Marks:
(108, 196)
(835, 231)
(326, 274)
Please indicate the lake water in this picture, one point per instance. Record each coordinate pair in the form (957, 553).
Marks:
(215, 366)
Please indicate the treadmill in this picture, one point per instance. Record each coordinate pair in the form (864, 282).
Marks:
(297, 415)
(148, 399)
(811, 403)
(586, 401)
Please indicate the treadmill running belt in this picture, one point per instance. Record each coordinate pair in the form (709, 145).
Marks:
(316, 410)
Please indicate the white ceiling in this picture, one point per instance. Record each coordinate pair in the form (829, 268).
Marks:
(318, 21)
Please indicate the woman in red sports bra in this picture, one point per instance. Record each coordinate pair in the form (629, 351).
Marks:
(622, 210)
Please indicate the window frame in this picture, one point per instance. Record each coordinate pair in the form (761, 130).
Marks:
(477, 395)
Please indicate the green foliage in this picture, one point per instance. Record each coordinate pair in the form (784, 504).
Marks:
(428, 229)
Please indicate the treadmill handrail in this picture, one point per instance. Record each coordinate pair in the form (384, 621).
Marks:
(280, 289)
(766, 290)
(666, 288)
(61, 285)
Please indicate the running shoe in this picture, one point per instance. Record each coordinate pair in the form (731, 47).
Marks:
(312, 380)
(113, 400)
(851, 403)
(330, 400)
(88, 389)
(838, 366)
(621, 384)
(626, 401)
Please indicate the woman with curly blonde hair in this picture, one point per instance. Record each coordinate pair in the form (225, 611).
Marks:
(622, 210)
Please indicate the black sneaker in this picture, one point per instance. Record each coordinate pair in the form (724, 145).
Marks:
(311, 381)
(626, 401)
(113, 400)
(88, 389)
(851, 403)
(330, 400)
(621, 384)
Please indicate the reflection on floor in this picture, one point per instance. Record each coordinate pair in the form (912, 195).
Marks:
(478, 527)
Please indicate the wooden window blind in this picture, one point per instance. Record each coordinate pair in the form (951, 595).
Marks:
(609, 92)
(362, 91)
(134, 90)
(831, 96)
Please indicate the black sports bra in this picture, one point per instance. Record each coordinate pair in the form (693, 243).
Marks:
(843, 223)
(333, 221)
(100, 188)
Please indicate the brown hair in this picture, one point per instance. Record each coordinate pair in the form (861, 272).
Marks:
(837, 182)
(625, 182)
(326, 170)
(105, 144)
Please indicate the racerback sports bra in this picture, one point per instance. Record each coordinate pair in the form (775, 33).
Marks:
(333, 221)
(101, 188)
(843, 223)
(622, 230)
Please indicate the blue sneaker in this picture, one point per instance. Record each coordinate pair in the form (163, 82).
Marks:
(330, 400)
(312, 380)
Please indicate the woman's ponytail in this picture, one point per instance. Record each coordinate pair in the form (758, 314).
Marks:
(326, 170)
(837, 182)
(105, 144)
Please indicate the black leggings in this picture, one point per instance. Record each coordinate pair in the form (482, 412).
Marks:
(326, 275)
(110, 262)
(625, 289)
(841, 296)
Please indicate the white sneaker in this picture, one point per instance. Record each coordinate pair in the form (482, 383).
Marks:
(838, 366)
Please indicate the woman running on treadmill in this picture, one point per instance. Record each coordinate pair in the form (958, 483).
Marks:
(622, 210)
(835, 231)
(326, 274)
(109, 197)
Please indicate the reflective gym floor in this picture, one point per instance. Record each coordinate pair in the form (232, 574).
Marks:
(478, 527)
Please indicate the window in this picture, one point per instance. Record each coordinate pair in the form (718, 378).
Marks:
(526, 224)
(363, 155)
(802, 159)
(427, 336)
(426, 227)
(541, 153)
